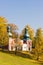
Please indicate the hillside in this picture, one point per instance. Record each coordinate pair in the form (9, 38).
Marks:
(8, 59)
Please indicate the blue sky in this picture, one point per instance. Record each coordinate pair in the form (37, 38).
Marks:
(22, 12)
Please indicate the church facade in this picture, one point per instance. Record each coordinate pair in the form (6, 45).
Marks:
(26, 43)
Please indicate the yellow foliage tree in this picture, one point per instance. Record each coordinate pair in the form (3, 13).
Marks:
(30, 32)
(38, 42)
(3, 31)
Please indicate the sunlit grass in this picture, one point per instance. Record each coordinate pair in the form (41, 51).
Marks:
(8, 59)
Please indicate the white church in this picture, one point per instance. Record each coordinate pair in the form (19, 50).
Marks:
(26, 43)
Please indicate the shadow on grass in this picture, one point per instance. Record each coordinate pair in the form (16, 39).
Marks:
(24, 55)
(20, 54)
(17, 53)
(41, 63)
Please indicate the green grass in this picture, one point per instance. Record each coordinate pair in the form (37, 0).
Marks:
(9, 59)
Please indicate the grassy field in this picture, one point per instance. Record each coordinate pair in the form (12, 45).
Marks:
(9, 59)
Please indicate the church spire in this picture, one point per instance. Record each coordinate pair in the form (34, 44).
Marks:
(26, 35)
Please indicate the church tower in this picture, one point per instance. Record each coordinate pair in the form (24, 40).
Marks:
(27, 42)
(11, 40)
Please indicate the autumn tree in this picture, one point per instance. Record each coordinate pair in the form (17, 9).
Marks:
(30, 32)
(38, 42)
(13, 29)
(3, 31)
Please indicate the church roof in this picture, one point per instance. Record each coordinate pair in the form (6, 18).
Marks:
(26, 35)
